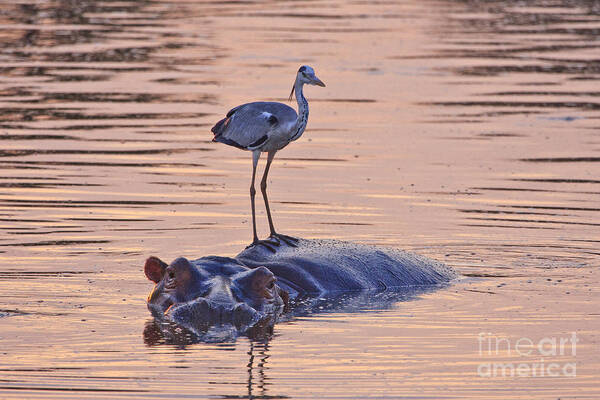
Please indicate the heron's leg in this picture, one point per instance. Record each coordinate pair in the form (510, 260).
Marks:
(263, 188)
(255, 157)
(268, 244)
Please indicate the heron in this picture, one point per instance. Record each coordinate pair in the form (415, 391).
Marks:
(266, 127)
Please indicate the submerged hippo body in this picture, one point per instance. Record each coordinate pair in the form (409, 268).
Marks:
(319, 267)
(257, 285)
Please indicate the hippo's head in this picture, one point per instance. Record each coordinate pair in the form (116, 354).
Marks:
(197, 296)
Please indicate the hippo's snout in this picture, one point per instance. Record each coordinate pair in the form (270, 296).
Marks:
(204, 312)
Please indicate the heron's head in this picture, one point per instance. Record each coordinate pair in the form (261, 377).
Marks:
(307, 75)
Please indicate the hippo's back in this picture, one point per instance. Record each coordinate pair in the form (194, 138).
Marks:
(321, 266)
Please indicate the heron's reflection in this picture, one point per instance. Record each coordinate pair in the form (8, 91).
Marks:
(258, 352)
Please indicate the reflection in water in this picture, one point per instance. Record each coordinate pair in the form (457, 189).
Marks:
(161, 332)
(261, 369)
(165, 333)
(258, 355)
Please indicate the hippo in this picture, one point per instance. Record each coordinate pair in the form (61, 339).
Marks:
(253, 290)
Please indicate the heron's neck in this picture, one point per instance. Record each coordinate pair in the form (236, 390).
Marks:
(302, 111)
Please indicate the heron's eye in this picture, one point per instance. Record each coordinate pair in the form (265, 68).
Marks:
(304, 74)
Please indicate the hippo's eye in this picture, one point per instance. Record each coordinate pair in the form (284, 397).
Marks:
(270, 285)
(171, 275)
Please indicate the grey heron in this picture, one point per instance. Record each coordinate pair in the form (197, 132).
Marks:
(266, 127)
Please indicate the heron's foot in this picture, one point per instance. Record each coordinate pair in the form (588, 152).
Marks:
(267, 243)
(289, 240)
(272, 242)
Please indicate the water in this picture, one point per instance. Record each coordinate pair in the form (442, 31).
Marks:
(466, 131)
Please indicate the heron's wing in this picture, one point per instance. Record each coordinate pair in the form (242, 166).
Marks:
(248, 126)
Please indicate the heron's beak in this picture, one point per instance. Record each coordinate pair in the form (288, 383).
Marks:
(317, 81)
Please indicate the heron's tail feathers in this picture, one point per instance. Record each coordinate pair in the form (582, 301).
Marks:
(220, 126)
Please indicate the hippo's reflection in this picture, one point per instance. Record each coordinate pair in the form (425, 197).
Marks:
(215, 299)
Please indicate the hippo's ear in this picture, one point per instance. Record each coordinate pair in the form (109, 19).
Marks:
(155, 269)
